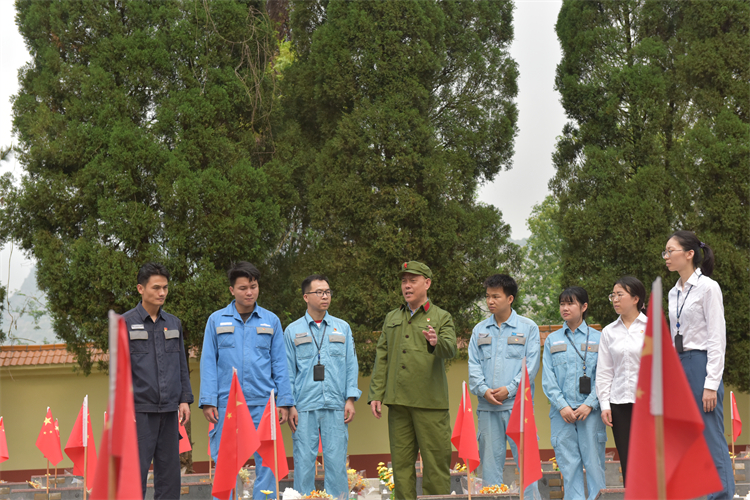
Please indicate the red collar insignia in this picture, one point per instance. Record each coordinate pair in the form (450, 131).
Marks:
(427, 306)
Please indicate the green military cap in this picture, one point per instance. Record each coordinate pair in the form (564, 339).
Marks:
(415, 267)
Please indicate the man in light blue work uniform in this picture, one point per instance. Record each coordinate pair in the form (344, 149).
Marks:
(323, 371)
(496, 350)
(569, 381)
(245, 336)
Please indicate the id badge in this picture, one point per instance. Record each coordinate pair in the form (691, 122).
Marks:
(678, 343)
(319, 373)
(584, 385)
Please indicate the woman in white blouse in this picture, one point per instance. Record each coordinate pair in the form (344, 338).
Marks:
(619, 361)
(696, 322)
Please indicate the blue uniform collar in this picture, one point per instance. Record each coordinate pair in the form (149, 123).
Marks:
(581, 328)
(310, 321)
(231, 310)
(143, 314)
(512, 320)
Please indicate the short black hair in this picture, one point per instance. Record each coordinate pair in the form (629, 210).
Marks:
(575, 294)
(635, 288)
(151, 269)
(243, 269)
(313, 277)
(503, 281)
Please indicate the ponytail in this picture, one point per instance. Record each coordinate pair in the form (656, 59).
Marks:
(703, 256)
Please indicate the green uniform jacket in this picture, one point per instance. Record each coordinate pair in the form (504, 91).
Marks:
(409, 371)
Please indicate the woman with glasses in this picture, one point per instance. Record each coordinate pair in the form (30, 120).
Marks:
(620, 360)
(696, 321)
(568, 379)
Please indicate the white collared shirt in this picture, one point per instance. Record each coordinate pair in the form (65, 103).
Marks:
(619, 361)
(702, 323)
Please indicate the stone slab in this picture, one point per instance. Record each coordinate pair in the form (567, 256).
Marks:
(499, 496)
(611, 494)
(63, 481)
(741, 489)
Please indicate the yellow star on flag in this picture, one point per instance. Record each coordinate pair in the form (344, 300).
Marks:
(57, 428)
(239, 403)
(47, 421)
(639, 392)
(229, 415)
(648, 346)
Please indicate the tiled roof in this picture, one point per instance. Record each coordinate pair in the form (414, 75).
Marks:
(47, 354)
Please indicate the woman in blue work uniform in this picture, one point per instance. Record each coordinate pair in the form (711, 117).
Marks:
(569, 382)
(699, 334)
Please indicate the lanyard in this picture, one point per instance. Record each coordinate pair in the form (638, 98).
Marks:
(677, 306)
(321, 340)
(588, 330)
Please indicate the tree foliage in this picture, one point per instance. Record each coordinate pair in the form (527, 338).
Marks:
(143, 130)
(393, 114)
(541, 269)
(658, 100)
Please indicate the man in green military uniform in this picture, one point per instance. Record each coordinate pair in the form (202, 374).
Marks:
(409, 377)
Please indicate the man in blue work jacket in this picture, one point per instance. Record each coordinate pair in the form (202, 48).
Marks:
(161, 383)
(245, 336)
(323, 370)
(496, 350)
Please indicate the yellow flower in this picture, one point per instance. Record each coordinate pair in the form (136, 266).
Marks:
(266, 492)
(381, 463)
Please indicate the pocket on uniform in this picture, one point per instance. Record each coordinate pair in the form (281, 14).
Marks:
(172, 340)
(263, 337)
(514, 351)
(225, 337)
(304, 349)
(138, 341)
(559, 358)
(486, 351)
(337, 344)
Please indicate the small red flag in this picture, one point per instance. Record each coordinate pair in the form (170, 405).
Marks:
(464, 436)
(736, 420)
(690, 470)
(79, 444)
(184, 442)
(320, 444)
(269, 432)
(210, 428)
(239, 441)
(532, 463)
(48, 441)
(3, 443)
(120, 436)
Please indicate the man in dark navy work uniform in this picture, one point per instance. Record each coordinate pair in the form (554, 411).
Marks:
(161, 385)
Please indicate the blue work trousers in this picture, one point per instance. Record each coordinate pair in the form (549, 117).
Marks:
(694, 364)
(334, 434)
(580, 445)
(264, 478)
(159, 440)
(492, 450)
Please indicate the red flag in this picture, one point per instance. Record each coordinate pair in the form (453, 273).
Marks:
(320, 444)
(3, 443)
(79, 444)
(690, 470)
(184, 442)
(210, 428)
(48, 441)
(269, 431)
(57, 436)
(464, 436)
(736, 420)
(119, 442)
(532, 463)
(239, 441)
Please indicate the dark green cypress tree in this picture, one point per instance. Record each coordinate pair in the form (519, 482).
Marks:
(143, 132)
(394, 114)
(657, 95)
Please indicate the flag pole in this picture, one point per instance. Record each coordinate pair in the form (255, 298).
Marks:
(85, 439)
(657, 387)
(466, 462)
(113, 345)
(48, 479)
(731, 416)
(523, 407)
(273, 438)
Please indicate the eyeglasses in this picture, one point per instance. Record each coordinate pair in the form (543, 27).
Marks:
(615, 296)
(322, 293)
(666, 253)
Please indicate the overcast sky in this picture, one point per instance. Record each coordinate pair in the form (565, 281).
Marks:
(515, 192)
